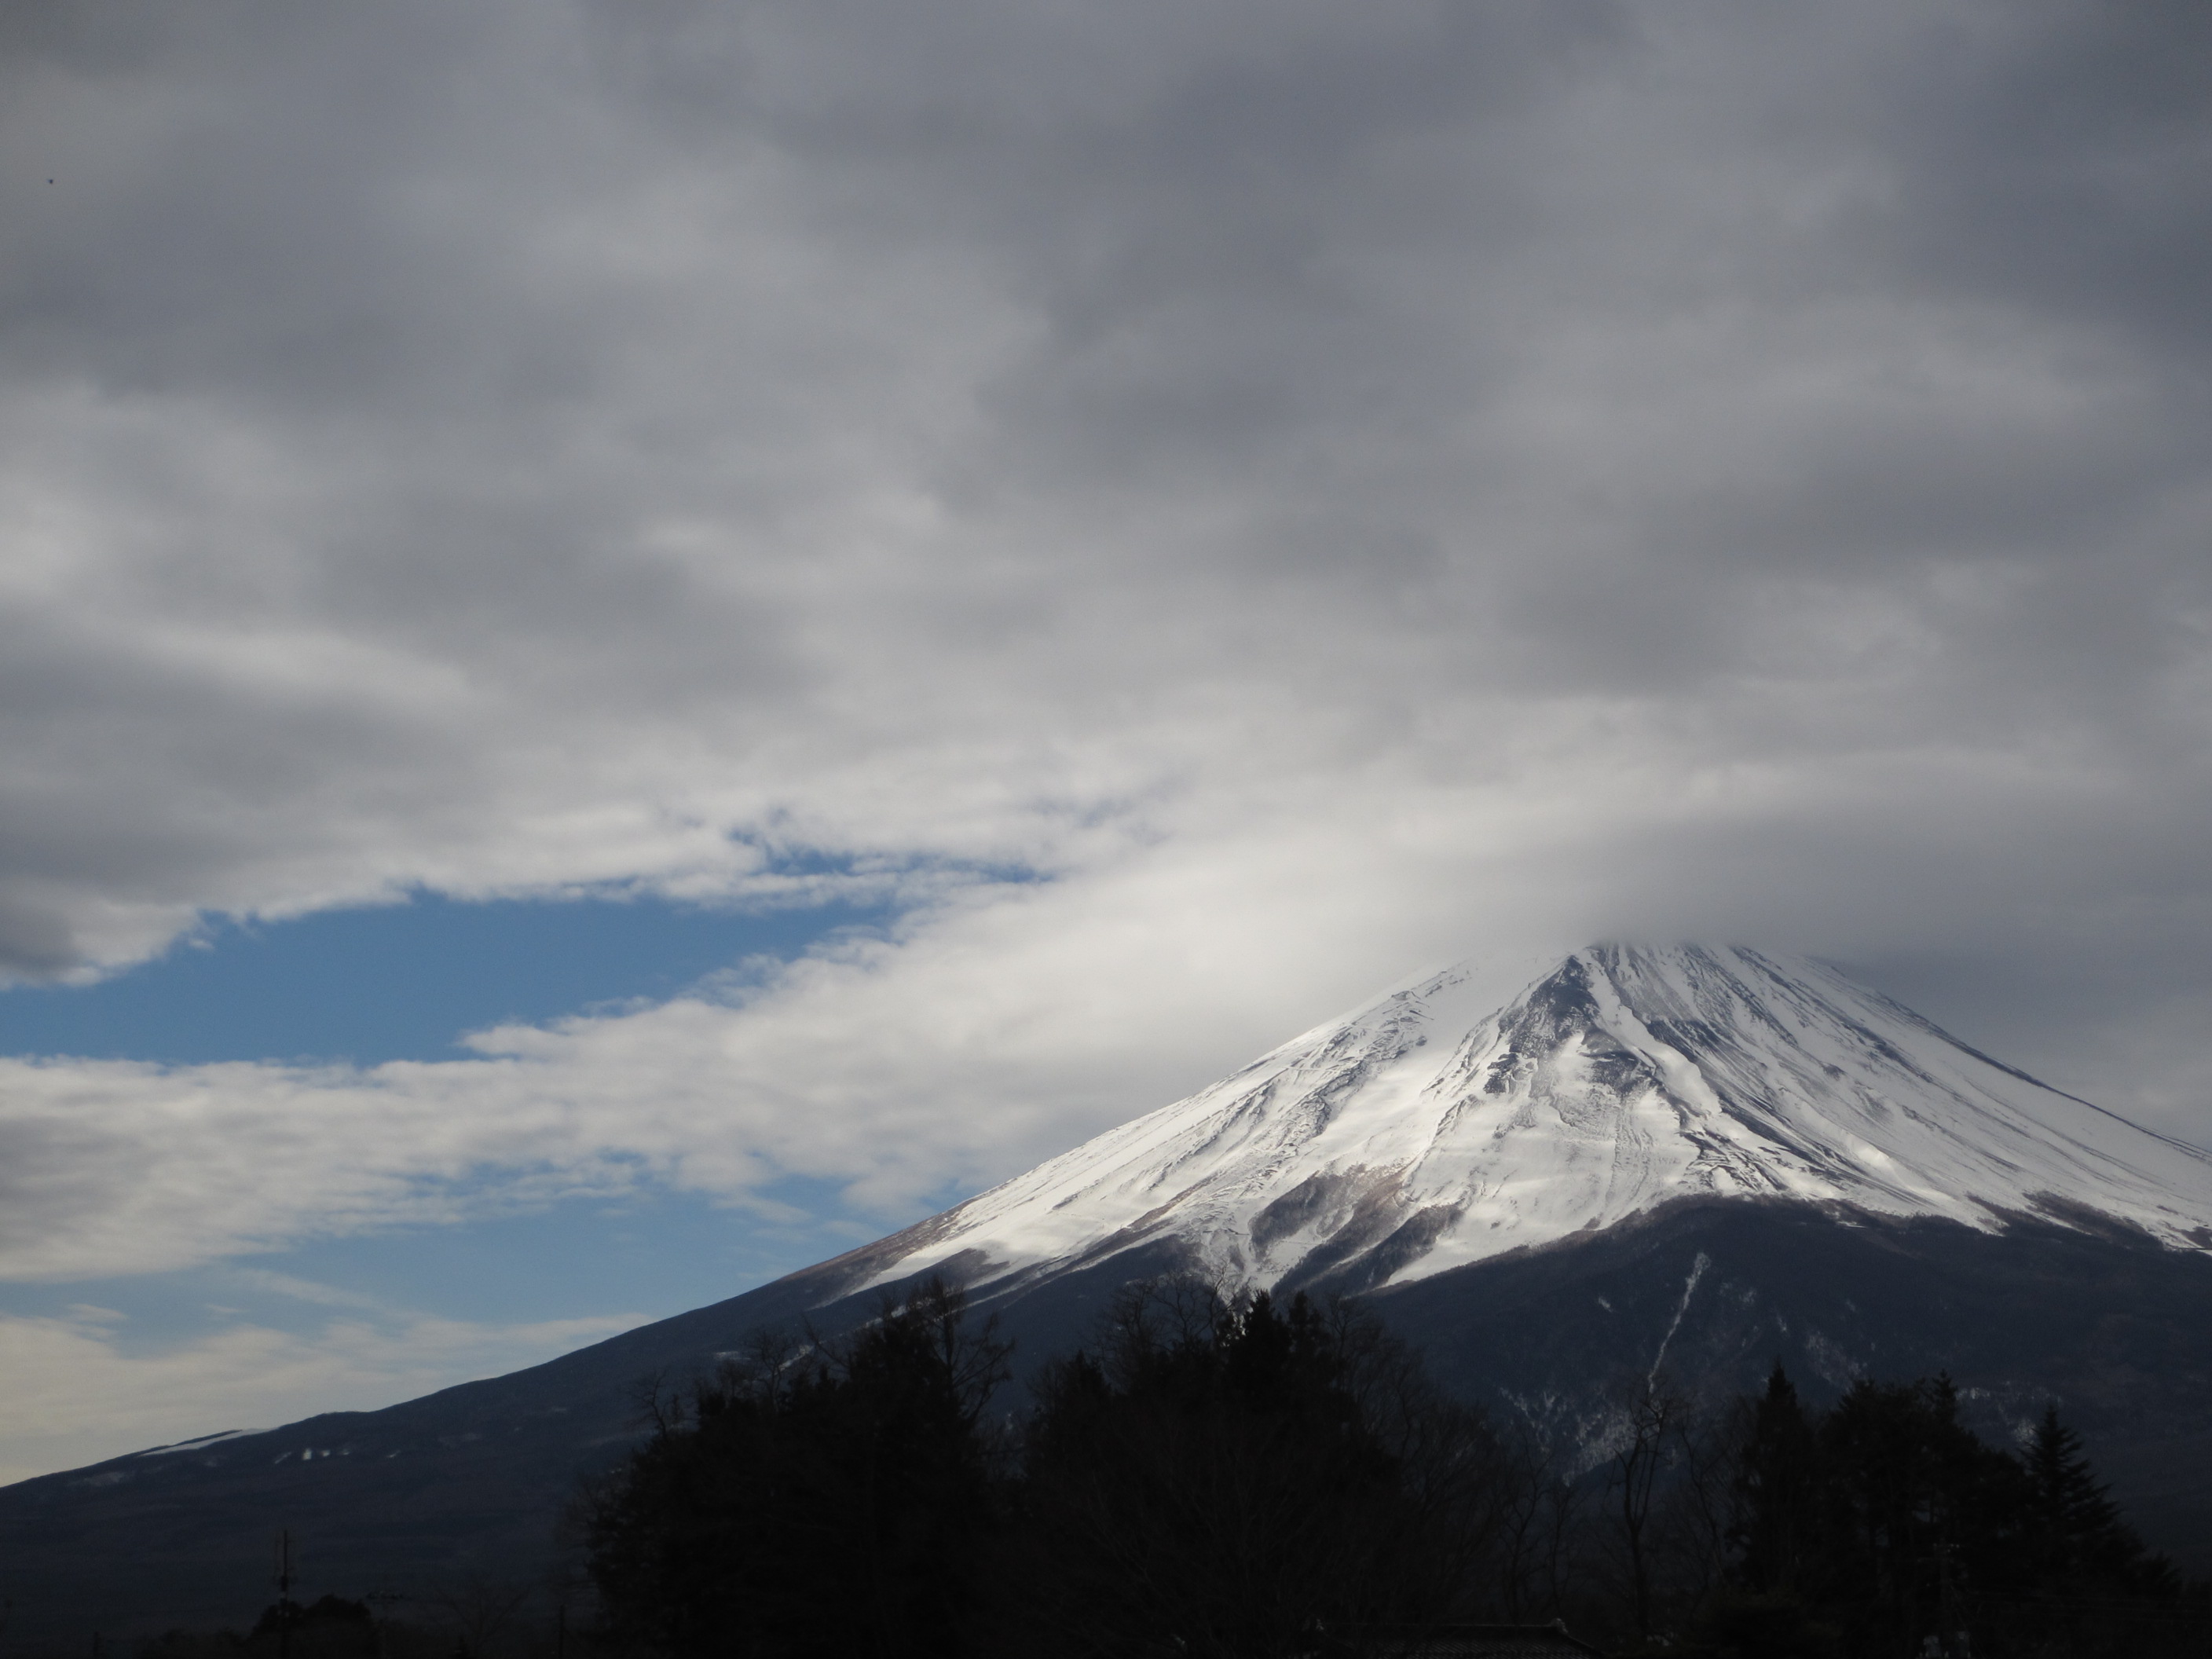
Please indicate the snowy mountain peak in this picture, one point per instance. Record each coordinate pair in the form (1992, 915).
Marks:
(1423, 1131)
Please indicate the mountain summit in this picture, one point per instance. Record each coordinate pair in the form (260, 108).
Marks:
(1423, 1132)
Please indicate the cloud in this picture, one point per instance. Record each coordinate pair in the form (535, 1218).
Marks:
(988, 1034)
(1208, 511)
(78, 1395)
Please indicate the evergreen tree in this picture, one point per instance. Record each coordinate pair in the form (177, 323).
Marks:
(1777, 1491)
(1885, 1526)
(829, 1502)
(1225, 1482)
(2076, 1540)
(2070, 1516)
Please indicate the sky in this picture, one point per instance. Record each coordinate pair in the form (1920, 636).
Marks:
(640, 642)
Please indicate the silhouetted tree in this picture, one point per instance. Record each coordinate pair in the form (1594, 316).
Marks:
(1653, 1414)
(1777, 1490)
(1218, 1480)
(1885, 1526)
(2076, 1535)
(830, 1499)
(1539, 1527)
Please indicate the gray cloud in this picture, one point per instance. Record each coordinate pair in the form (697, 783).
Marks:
(1327, 488)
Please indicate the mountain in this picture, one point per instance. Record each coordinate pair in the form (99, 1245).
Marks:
(1423, 1132)
(1695, 1157)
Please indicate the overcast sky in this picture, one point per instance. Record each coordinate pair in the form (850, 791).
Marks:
(984, 562)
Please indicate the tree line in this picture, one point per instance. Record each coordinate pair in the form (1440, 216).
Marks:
(1245, 1480)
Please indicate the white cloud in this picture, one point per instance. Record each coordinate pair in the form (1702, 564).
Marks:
(78, 1394)
(1014, 1021)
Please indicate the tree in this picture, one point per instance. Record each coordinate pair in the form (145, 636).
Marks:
(483, 1609)
(2076, 1535)
(1225, 1481)
(1918, 1517)
(1886, 1526)
(1777, 1490)
(1631, 1481)
(331, 1627)
(1539, 1507)
(2088, 1573)
(827, 1498)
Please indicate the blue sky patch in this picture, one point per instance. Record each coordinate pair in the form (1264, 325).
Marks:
(400, 981)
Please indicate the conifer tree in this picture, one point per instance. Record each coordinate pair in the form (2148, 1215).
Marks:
(1777, 1488)
(2076, 1537)
(1220, 1482)
(829, 1501)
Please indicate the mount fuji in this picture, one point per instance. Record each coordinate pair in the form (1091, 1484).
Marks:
(1423, 1132)
(1696, 1157)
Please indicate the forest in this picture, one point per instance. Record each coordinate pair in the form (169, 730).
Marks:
(1245, 1481)
(1219, 1479)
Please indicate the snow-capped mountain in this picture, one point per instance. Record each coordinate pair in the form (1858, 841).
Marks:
(1735, 1160)
(1424, 1132)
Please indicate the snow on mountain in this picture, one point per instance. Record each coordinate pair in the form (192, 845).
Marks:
(1423, 1130)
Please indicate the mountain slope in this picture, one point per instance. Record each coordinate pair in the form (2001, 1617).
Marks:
(1423, 1132)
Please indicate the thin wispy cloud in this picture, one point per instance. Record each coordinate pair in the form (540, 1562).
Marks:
(79, 1395)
